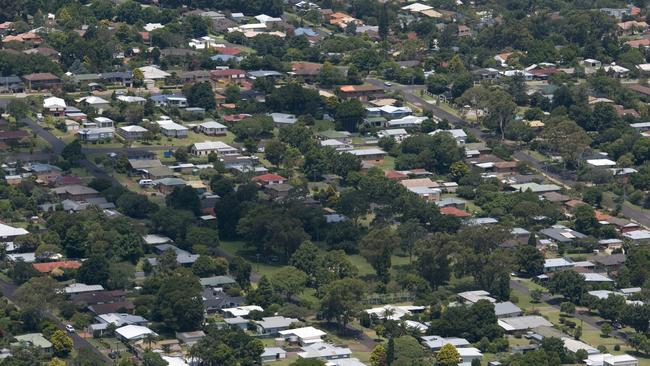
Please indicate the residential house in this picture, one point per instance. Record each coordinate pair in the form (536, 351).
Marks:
(75, 192)
(272, 354)
(167, 185)
(183, 257)
(394, 312)
(469, 354)
(121, 78)
(208, 147)
(458, 134)
(398, 134)
(361, 92)
(273, 325)
(153, 73)
(507, 310)
(54, 107)
(190, 338)
(283, 119)
(42, 81)
(638, 236)
(11, 84)
(278, 191)
(435, 343)
(101, 122)
(303, 336)
(264, 74)
(132, 333)
(269, 179)
(44, 172)
(562, 234)
(212, 128)
(370, 154)
(170, 100)
(48, 267)
(170, 128)
(95, 102)
(132, 132)
(240, 311)
(557, 264)
(406, 122)
(129, 99)
(324, 351)
(79, 288)
(35, 340)
(215, 299)
(195, 76)
(95, 134)
(228, 75)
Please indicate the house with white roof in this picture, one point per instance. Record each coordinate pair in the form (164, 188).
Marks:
(436, 342)
(130, 333)
(596, 278)
(395, 133)
(468, 354)
(207, 147)
(54, 106)
(283, 119)
(303, 336)
(149, 27)
(170, 128)
(212, 128)
(8, 233)
(265, 19)
(472, 297)
(606, 359)
(638, 236)
(77, 288)
(132, 132)
(557, 264)
(324, 351)
(599, 163)
(95, 102)
(458, 134)
(406, 122)
(130, 99)
(154, 73)
(394, 312)
(575, 345)
(345, 362)
(240, 311)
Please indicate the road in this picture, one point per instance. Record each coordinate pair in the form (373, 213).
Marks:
(550, 301)
(566, 178)
(8, 290)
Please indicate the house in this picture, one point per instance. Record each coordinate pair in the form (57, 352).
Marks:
(95, 134)
(129, 99)
(75, 192)
(278, 191)
(183, 257)
(283, 119)
(345, 362)
(167, 185)
(472, 297)
(35, 340)
(212, 128)
(11, 84)
(406, 122)
(272, 354)
(78, 288)
(638, 236)
(48, 267)
(190, 338)
(303, 336)
(264, 74)
(121, 78)
(274, 324)
(606, 359)
(269, 179)
(458, 134)
(371, 154)
(396, 133)
(217, 281)
(324, 351)
(130, 333)
(535, 187)
(228, 75)
(153, 73)
(610, 262)
(361, 92)
(215, 299)
(42, 81)
(54, 107)
(195, 76)
(468, 354)
(520, 323)
(170, 128)
(507, 310)
(45, 172)
(132, 132)
(170, 100)
(208, 147)
(394, 312)
(590, 62)
(436, 342)
(95, 102)
(557, 264)
(240, 311)
(574, 345)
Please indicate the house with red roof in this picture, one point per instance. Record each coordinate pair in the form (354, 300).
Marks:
(236, 117)
(395, 175)
(269, 179)
(453, 211)
(50, 266)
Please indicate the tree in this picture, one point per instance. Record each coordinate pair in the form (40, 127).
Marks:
(636, 316)
(178, 302)
(264, 294)
(61, 342)
(567, 308)
(383, 23)
(447, 356)
(378, 356)
(200, 95)
(611, 307)
(289, 281)
(307, 362)
(72, 152)
(530, 260)
(500, 112)
(390, 351)
(567, 139)
(569, 284)
(432, 260)
(274, 152)
(605, 329)
(349, 114)
(241, 269)
(536, 295)
(342, 300)
(94, 271)
(227, 346)
(150, 358)
(377, 247)
(329, 76)
(206, 266)
(204, 236)
(184, 198)
(171, 222)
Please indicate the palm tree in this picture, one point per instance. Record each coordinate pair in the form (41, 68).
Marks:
(150, 338)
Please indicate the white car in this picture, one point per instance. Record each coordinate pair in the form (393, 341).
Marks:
(388, 84)
(69, 328)
(145, 183)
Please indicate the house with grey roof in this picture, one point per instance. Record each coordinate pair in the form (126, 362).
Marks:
(507, 310)
(562, 234)
(273, 324)
(283, 119)
(217, 281)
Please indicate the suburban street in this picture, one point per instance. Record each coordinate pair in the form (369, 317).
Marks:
(410, 94)
(8, 290)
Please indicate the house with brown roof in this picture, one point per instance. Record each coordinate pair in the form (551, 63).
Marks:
(42, 81)
(307, 71)
(51, 266)
(228, 75)
(453, 211)
(361, 92)
(269, 179)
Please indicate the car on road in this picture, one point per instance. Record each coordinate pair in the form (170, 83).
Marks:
(69, 328)
(146, 183)
(386, 83)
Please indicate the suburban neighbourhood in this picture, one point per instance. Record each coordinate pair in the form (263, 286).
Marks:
(325, 183)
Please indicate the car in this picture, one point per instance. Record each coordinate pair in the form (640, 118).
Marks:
(388, 84)
(69, 328)
(146, 183)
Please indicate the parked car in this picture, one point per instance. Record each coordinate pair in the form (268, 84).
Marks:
(69, 328)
